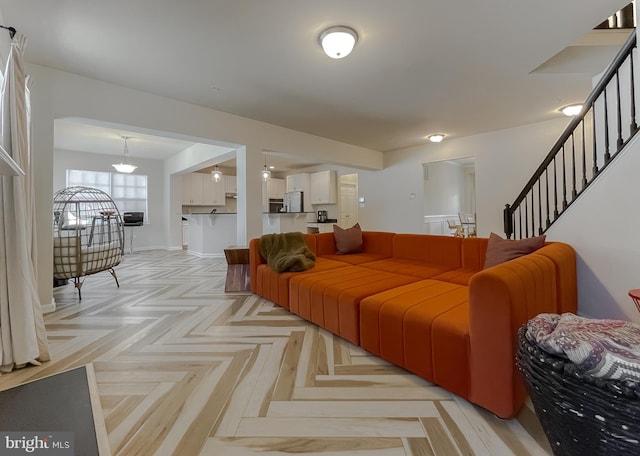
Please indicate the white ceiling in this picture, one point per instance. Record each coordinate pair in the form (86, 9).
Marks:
(419, 67)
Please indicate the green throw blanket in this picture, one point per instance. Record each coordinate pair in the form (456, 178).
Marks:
(286, 252)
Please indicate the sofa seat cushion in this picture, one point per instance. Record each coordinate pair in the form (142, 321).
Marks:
(451, 350)
(458, 276)
(331, 299)
(423, 327)
(415, 268)
(386, 317)
(355, 258)
(274, 286)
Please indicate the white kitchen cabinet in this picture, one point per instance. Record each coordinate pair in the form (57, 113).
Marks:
(275, 188)
(213, 192)
(301, 183)
(230, 184)
(324, 189)
(198, 189)
(192, 191)
(298, 182)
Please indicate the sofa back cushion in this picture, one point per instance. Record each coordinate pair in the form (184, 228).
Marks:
(376, 242)
(473, 253)
(564, 259)
(500, 250)
(443, 250)
(310, 240)
(348, 240)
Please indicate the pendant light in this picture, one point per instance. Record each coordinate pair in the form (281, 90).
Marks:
(216, 174)
(124, 166)
(266, 174)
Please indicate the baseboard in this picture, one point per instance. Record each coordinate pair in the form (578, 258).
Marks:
(206, 255)
(48, 308)
(176, 247)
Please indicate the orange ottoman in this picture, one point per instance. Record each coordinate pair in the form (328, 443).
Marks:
(274, 286)
(331, 299)
(413, 326)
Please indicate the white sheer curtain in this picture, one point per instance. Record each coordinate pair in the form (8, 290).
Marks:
(22, 334)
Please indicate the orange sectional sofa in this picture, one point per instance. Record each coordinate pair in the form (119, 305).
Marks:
(425, 303)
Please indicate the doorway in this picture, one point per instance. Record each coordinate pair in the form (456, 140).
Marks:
(348, 202)
(449, 194)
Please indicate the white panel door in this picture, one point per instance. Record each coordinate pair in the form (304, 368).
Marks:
(348, 205)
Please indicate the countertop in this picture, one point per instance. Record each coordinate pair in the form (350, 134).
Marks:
(186, 214)
(327, 221)
(286, 213)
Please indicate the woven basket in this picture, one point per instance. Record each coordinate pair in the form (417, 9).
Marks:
(580, 414)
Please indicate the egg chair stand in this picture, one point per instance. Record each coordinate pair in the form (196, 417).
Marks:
(88, 234)
(78, 283)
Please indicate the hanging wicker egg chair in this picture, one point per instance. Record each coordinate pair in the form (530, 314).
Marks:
(88, 234)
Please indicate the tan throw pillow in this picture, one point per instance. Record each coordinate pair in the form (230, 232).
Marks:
(349, 240)
(500, 250)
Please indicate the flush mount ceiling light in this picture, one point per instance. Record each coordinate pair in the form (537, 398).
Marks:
(124, 166)
(571, 110)
(436, 137)
(216, 174)
(338, 42)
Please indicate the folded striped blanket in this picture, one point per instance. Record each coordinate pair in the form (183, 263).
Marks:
(609, 349)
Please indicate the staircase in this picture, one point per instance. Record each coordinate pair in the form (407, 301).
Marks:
(593, 139)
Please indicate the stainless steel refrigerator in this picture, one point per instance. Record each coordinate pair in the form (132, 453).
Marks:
(293, 202)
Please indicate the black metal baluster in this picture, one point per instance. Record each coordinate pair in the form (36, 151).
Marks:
(546, 182)
(634, 124)
(555, 190)
(520, 220)
(574, 193)
(564, 181)
(539, 206)
(607, 155)
(526, 218)
(619, 142)
(584, 157)
(595, 144)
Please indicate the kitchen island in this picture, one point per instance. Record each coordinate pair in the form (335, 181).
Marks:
(286, 222)
(210, 234)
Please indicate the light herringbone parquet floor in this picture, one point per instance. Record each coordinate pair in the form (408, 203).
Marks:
(184, 369)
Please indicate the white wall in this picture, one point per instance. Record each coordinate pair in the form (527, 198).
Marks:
(504, 161)
(444, 188)
(603, 225)
(152, 234)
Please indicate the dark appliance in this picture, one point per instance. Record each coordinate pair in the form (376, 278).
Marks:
(322, 216)
(133, 218)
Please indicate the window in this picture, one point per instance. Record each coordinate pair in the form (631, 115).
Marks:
(128, 191)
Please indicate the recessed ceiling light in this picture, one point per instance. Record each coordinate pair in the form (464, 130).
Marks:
(436, 137)
(571, 110)
(338, 42)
